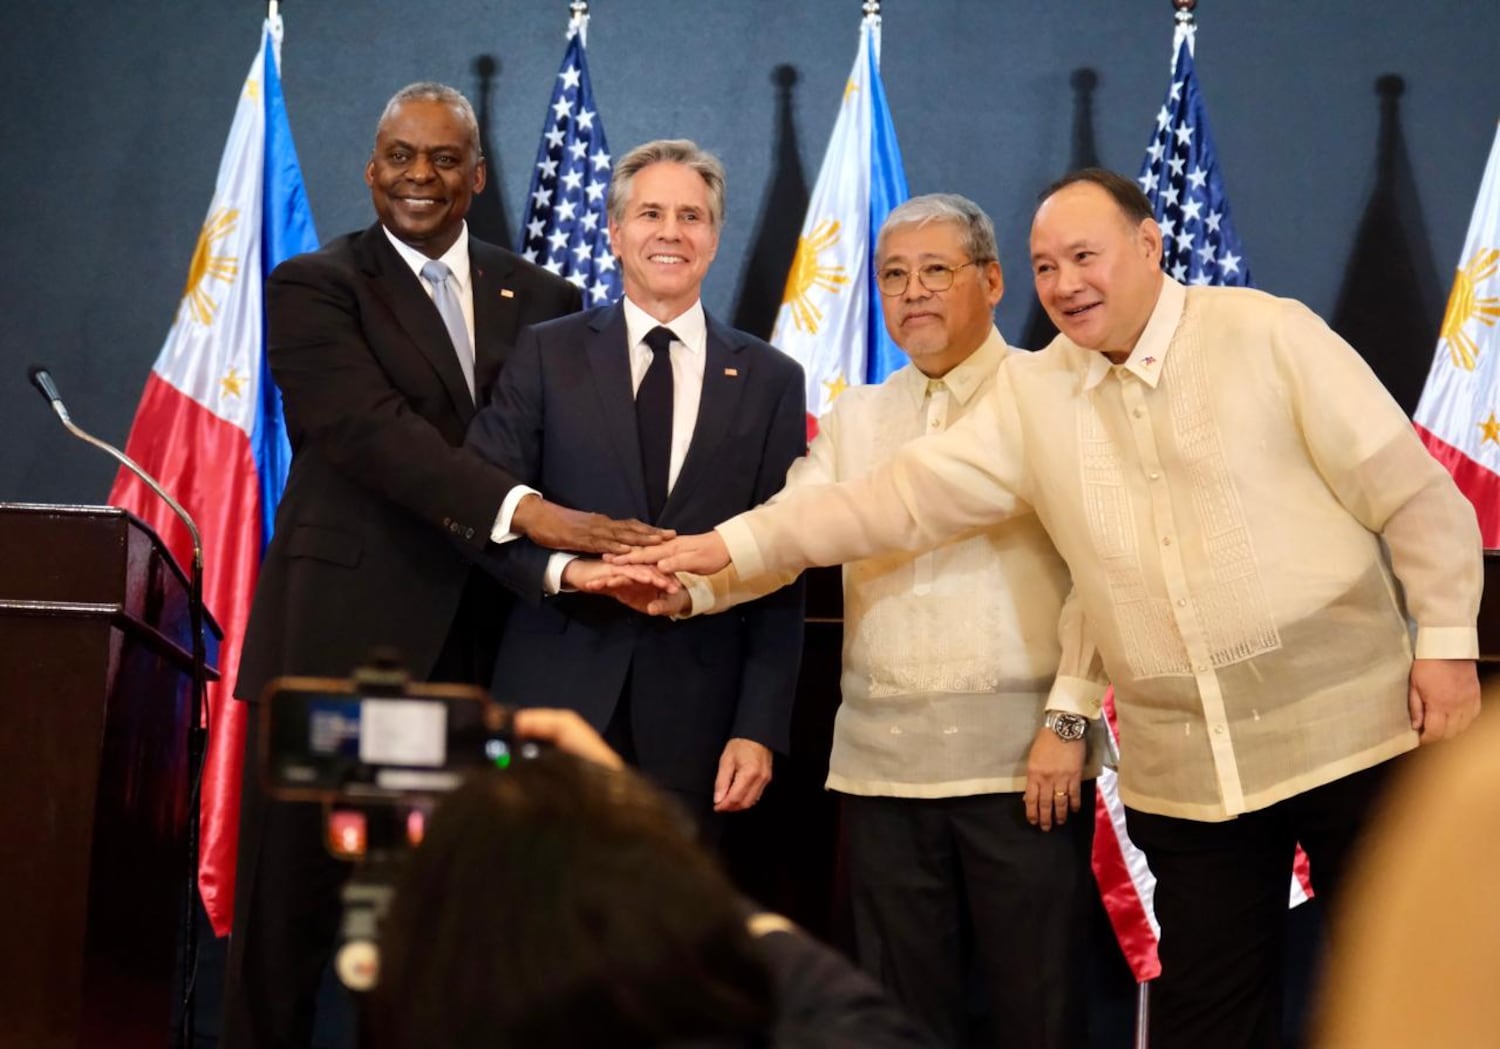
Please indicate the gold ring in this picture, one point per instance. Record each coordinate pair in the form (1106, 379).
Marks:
(1059, 794)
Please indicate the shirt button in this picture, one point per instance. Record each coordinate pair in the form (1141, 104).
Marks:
(1182, 602)
(1166, 540)
(1154, 476)
(1218, 730)
(1137, 413)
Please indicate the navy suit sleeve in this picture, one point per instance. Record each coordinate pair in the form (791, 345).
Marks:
(774, 623)
(508, 434)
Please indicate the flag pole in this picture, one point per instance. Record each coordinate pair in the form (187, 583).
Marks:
(578, 20)
(871, 9)
(1186, 23)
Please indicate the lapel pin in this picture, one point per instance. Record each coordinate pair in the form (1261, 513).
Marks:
(731, 371)
(506, 293)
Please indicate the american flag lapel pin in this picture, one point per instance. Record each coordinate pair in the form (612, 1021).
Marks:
(731, 372)
(506, 293)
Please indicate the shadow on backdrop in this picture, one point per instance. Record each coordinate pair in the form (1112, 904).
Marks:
(1039, 329)
(779, 223)
(1390, 304)
(487, 219)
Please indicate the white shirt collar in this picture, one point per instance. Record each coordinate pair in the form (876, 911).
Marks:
(690, 326)
(1149, 357)
(456, 258)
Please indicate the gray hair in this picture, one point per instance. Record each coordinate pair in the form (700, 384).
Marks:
(432, 91)
(667, 151)
(975, 226)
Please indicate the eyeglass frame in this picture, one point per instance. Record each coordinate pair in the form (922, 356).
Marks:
(952, 272)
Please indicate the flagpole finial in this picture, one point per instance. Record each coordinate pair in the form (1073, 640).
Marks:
(871, 8)
(578, 21)
(1184, 9)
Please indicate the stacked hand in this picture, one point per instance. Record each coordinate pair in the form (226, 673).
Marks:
(644, 577)
(641, 587)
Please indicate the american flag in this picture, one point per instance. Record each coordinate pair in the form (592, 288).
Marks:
(567, 229)
(1181, 177)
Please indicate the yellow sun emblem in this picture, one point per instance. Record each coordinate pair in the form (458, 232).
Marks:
(808, 273)
(205, 264)
(1465, 306)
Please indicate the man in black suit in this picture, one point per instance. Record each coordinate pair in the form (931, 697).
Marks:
(384, 344)
(650, 408)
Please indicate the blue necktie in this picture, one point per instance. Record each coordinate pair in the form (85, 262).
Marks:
(445, 297)
(653, 418)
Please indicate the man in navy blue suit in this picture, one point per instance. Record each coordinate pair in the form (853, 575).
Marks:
(651, 409)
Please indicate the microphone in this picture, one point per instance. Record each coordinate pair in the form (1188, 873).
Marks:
(41, 378)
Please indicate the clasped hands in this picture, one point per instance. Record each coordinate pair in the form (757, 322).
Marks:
(645, 577)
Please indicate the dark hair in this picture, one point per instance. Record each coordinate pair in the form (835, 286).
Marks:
(561, 904)
(1133, 204)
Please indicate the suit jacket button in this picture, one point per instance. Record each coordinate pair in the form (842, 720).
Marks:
(468, 533)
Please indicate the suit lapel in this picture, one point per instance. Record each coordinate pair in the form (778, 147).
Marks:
(608, 355)
(496, 314)
(402, 291)
(725, 375)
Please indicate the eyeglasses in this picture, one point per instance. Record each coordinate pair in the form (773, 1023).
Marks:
(934, 276)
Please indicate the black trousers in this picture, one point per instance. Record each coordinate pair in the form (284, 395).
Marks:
(957, 893)
(287, 907)
(1221, 901)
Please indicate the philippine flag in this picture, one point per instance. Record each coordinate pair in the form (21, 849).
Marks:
(209, 425)
(830, 318)
(1458, 417)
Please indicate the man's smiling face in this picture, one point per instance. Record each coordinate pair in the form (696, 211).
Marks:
(423, 173)
(1097, 275)
(665, 237)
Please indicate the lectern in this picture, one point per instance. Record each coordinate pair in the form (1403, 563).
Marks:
(96, 700)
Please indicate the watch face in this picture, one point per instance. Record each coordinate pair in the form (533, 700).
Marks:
(1069, 726)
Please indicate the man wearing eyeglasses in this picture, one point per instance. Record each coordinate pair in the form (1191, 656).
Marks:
(956, 744)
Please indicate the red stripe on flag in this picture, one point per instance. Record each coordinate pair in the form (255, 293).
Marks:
(206, 464)
(1480, 485)
(1122, 902)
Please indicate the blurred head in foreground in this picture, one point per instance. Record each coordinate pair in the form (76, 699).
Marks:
(561, 903)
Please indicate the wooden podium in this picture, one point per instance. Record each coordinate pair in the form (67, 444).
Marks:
(95, 704)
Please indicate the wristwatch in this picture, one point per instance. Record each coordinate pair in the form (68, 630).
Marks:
(1067, 726)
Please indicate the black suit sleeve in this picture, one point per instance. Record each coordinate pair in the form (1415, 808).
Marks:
(774, 623)
(508, 434)
(340, 398)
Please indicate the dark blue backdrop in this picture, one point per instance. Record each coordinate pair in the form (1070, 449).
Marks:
(116, 114)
